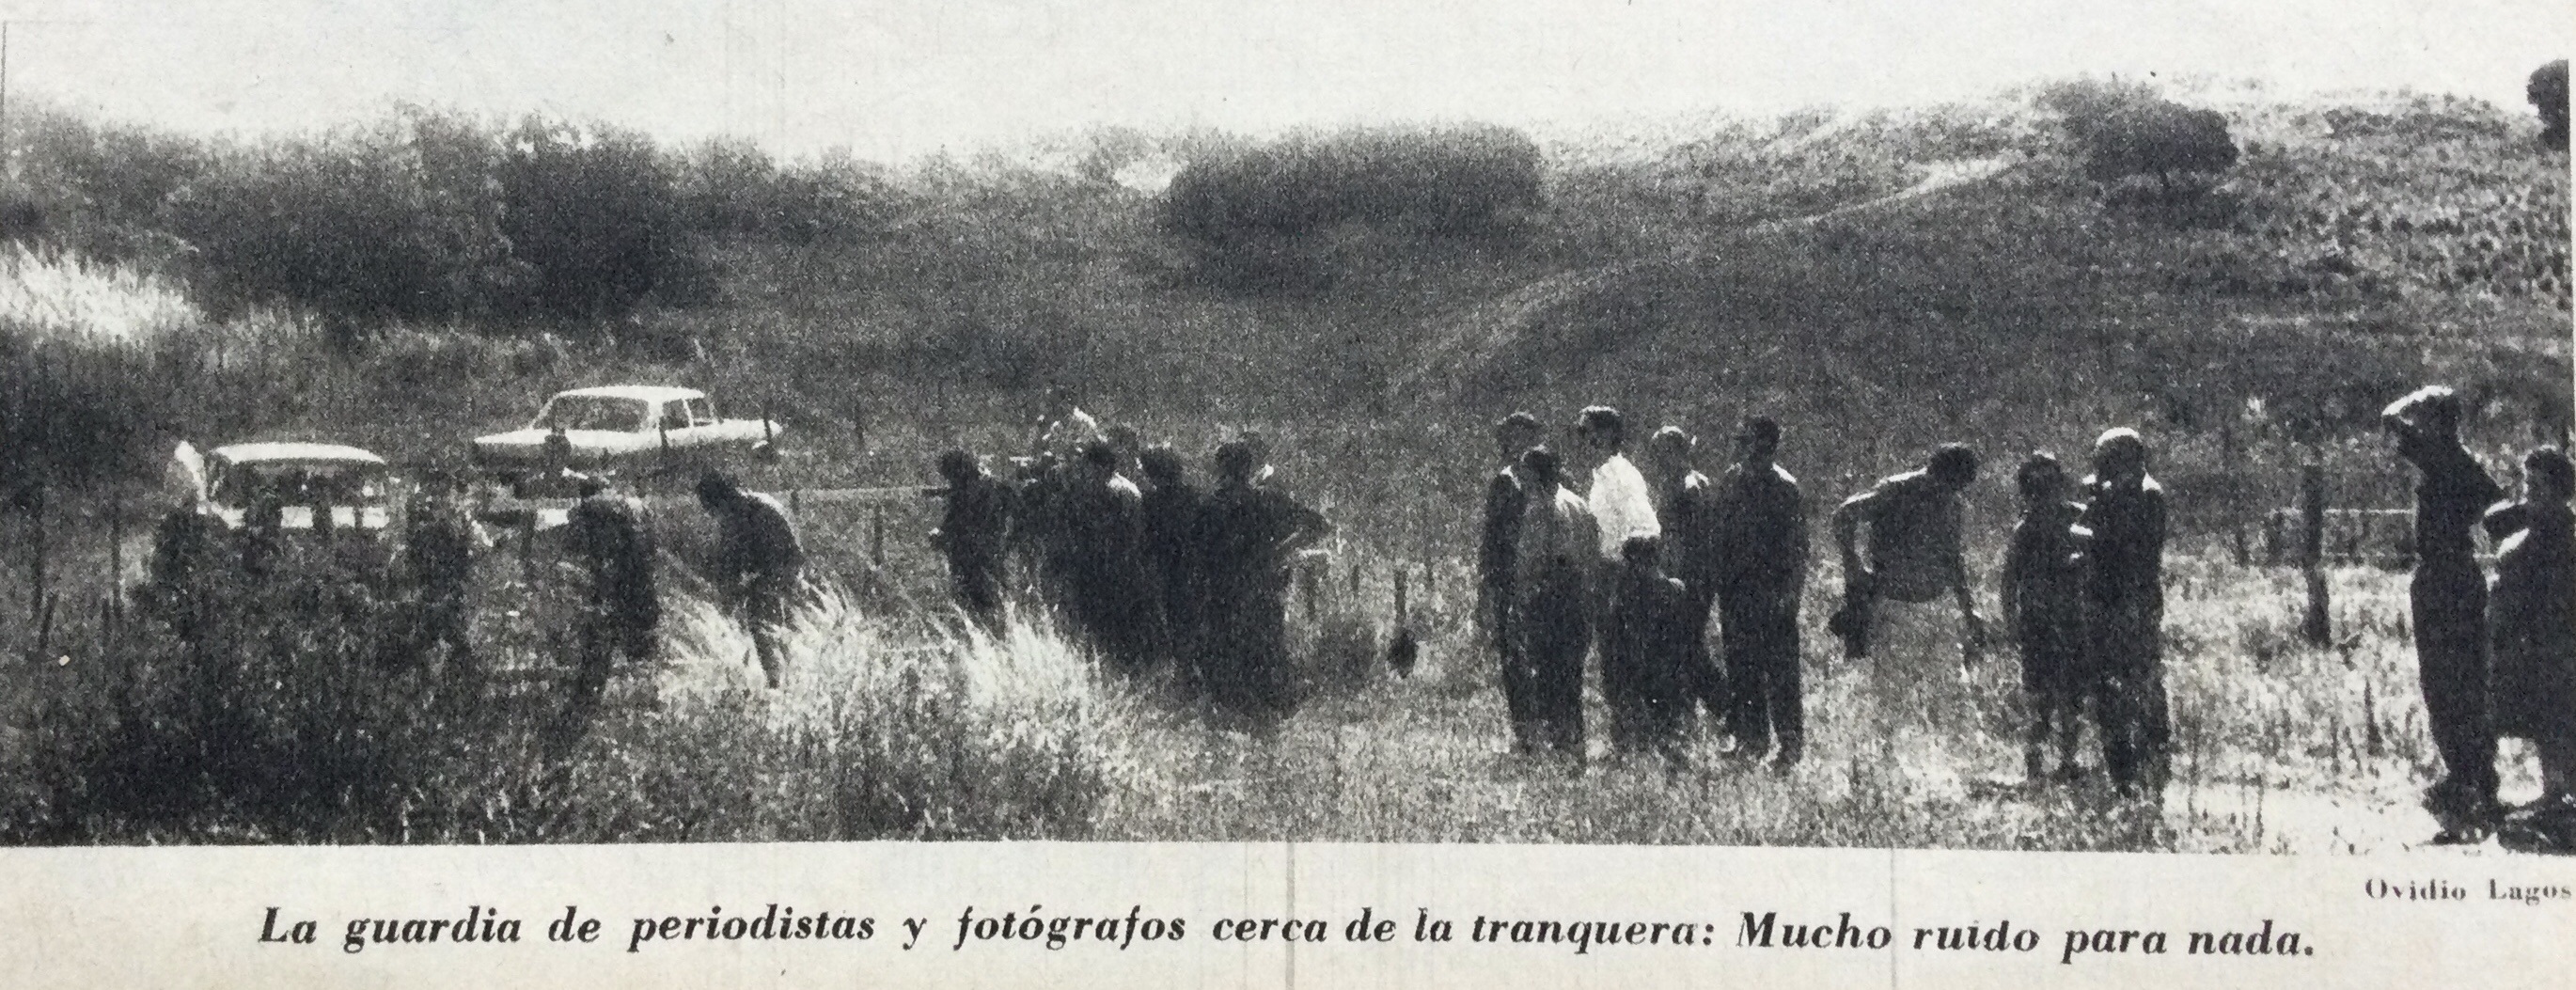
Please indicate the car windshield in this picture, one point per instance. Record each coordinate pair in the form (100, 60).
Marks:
(592, 412)
(302, 483)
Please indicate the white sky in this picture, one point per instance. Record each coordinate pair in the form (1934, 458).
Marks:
(894, 78)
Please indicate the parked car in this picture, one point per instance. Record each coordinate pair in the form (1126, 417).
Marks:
(312, 485)
(620, 427)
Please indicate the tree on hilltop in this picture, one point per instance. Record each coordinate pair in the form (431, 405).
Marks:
(2126, 129)
(2548, 93)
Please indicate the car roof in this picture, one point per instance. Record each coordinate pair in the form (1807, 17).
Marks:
(648, 393)
(244, 453)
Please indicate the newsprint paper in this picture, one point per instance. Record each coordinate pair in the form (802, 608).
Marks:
(1326, 493)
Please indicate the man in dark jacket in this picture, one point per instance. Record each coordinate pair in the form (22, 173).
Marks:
(759, 564)
(1506, 494)
(972, 533)
(2448, 599)
(1171, 513)
(1761, 571)
(1686, 507)
(2124, 510)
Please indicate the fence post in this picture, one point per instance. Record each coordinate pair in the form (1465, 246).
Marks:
(39, 594)
(114, 620)
(876, 534)
(1403, 607)
(1355, 585)
(1306, 583)
(2228, 461)
(2312, 520)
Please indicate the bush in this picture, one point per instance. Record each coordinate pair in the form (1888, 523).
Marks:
(2547, 91)
(596, 216)
(397, 221)
(1252, 210)
(2127, 130)
(732, 191)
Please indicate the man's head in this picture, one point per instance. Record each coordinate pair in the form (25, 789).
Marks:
(1543, 467)
(2548, 476)
(717, 490)
(2120, 454)
(1602, 429)
(1640, 552)
(1100, 457)
(958, 466)
(588, 485)
(1668, 452)
(1236, 461)
(2434, 410)
(1517, 432)
(1758, 440)
(1161, 464)
(1953, 466)
(2041, 480)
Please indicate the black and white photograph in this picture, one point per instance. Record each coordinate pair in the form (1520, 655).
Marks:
(1987, 425)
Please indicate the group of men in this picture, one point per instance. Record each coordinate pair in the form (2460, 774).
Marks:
(1139, 563)
(1633, 566)
(2491, 664)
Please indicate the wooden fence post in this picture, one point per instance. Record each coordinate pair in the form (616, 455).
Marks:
(876, 534)
(2236, 477)
(1355, 585)
(1403, 607)
(2312, 519)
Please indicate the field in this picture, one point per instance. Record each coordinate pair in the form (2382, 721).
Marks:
(1880, 282)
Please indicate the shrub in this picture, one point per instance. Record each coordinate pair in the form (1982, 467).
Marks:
(595, 214)
(2547, 91)
(731, 190)
(86, 353)
(1252, 210)
(2127, 130)
(398, 221)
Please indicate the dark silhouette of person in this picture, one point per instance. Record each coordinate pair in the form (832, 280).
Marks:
(759, 564)
(1761, 572)
(440, 540)
(1645, 653)
(1550, 611)
(2533, 615)
(2447, 599)
(973, 533)
(2043, 606)
(1686, 507)
(621, 606)
(1171, 513)
(1248, 535)
(1104, 516)
(1506, 496)
(2124, 509)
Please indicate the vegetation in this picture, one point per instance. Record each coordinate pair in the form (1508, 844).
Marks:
(1878, 281)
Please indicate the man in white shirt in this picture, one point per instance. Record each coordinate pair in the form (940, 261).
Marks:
(1622, 505)
(1066, 429)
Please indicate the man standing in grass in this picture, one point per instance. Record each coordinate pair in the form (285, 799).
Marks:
(2448, 600)
(1171, 512)
(1548, 614)
(1644, 654)
(971, 534)
(1761, 571)
(1507, 494)
(2043, 606)
(1248, 534)
(439, 543)
(621, 608)
(1913, 557)
(2535, 645)
(1686, 507)
(759, 564)
(1105, 529)
(2125, 606)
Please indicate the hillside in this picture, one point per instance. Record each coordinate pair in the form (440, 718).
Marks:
(1879, 281)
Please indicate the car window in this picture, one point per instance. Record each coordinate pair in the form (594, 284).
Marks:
(594, 412)
(701, 413)
(674, 416)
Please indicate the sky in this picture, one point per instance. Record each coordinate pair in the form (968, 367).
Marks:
(893, 79)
